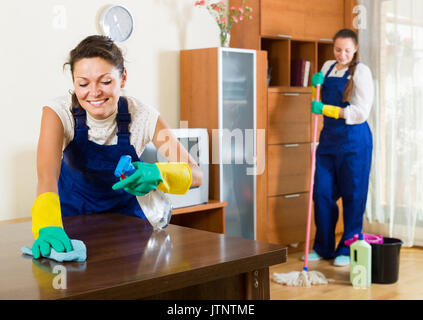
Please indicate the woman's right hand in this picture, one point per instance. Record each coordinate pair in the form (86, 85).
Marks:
(51, 237)
(46, 214)
(47, 226)
(317, 78)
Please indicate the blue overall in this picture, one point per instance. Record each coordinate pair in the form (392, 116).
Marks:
(343, 161)
(87, 171)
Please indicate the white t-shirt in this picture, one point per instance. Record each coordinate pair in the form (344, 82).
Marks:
(104, 132)
(362, 98)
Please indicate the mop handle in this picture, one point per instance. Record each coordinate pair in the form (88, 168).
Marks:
(310, 194)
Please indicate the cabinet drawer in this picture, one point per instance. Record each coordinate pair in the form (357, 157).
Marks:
(288, 168)
(282, 18)
(289, 117)
(287, 219)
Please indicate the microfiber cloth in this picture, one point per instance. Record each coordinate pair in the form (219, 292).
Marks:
(78, 254)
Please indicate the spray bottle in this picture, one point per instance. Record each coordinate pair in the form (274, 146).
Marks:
(155, 205)
(361, 263)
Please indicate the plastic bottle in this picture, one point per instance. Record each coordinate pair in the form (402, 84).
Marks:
(157, 208)
(361, 263)
(156, 205)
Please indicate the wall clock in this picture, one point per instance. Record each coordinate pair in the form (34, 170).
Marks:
(116, 22)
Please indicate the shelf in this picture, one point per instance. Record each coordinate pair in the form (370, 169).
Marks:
(212, 204)
(209, 216)
(289, 89)
(229, 103)
(324, 53)
(281, 53)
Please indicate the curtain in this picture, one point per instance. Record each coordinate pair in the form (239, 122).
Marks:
(391, 44)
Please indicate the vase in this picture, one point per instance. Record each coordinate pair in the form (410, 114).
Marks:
(225, 38)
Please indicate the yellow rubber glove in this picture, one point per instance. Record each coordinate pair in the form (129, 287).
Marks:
(318, 107)
(46, 212)
(177, 177)
(331, 111)
(47, 226)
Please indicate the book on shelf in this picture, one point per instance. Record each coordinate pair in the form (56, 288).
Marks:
(300, 71)
(306, 73)
(294, 72)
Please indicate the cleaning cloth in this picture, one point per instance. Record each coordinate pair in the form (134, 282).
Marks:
(78, 254)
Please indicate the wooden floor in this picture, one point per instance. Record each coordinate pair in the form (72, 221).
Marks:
(409, 285)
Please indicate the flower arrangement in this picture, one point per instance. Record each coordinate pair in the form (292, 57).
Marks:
(226, 18)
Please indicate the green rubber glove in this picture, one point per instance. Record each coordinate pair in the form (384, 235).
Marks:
(327, 110)
(317, 78)
(51, 237)
(317, 107)
(142, 181)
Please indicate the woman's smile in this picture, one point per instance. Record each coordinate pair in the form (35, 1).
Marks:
(97, 102)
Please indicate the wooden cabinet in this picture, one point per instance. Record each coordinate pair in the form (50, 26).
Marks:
(299, 19)
(282, 18)
(289, 30)
(286, 218)
(282, 52)
(208, 217)
(288, 168)
(288, 117)
(224, 90)
(323, 18)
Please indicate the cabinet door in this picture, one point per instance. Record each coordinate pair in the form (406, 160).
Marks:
(288, 168)
(282, 17)
(287, 219)
(324, 18)
(288, 117)
(237, 108)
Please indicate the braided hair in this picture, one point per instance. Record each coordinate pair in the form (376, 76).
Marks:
(348, 33)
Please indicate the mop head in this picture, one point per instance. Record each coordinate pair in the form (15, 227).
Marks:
(300, 279)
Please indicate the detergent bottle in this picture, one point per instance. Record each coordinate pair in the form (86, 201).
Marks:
(361, 263)
(156, 205)
(157, 208)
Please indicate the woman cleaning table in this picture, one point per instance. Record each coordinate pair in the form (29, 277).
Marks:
(82, 137)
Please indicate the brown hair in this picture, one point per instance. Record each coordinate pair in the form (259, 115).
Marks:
(92, 47)
(348, 33)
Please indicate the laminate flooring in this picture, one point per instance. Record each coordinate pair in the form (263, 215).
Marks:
(408, 287)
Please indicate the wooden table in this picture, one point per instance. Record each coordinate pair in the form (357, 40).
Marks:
(127, 260)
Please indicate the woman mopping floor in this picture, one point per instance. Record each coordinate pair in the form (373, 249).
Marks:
(343, 157)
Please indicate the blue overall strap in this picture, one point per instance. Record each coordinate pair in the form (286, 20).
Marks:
(123, 119)
(346, 74)
(81, 128)
(330, 69)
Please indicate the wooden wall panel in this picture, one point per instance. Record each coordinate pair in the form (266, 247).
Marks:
(199, 99)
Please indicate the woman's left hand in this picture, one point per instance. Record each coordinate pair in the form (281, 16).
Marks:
(142, 181)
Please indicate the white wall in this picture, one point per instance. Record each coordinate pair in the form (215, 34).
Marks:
(34, 49)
